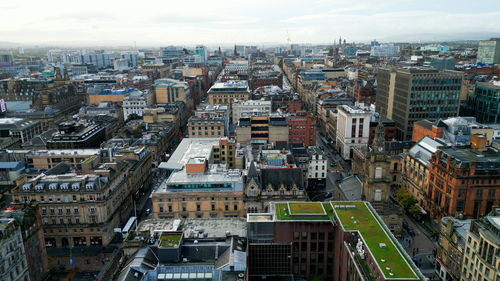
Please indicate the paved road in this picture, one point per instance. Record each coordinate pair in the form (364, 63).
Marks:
(343, 165)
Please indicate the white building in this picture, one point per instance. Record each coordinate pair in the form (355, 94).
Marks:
(193, 59)
(243, 108)
(120, 64)
(317, 167)
(134, 103)
(353, 129)
(385, 50)
(13, 264)
(237, 66)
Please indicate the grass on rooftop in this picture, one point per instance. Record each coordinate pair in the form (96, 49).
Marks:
(283, 213)
(361, 219)
(170, 240)
(306, 208)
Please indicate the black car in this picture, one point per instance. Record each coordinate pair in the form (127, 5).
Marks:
(411, 231)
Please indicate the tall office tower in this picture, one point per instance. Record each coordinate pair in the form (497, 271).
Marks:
(487, 103)
(407, 95)
(202, 51)
(489, 51)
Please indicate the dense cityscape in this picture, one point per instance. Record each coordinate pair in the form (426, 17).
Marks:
(290, 161)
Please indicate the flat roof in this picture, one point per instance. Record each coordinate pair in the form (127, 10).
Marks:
(170, 240)
(357, 216)
(212, 228)
(190, 147)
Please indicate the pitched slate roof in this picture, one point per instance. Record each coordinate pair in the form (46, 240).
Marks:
(278, 176)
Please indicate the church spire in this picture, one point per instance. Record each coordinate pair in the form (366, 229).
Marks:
(379, 140)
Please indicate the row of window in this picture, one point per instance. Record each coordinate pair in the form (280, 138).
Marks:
(69, 220)
(198, 208)
(206, 133)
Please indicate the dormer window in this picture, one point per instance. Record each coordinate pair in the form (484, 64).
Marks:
(64, 186)
(27, 186)
(53, 186)
(75, 186)
(90, 186)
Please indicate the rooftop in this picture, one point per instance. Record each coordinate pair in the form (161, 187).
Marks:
(423, 149)
(353, 110)
(352, 216)
(217, 177)
(16, 123)
(358, 216)
(170, 239)
(194, 228)
(463, 156)
(166, 82)
(190, 147)
(230, 86)
(115, 92)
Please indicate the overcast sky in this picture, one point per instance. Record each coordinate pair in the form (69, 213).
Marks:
(231, 21)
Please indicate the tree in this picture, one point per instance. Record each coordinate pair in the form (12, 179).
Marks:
(407, 202)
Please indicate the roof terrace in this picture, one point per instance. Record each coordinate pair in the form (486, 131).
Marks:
(170, 240)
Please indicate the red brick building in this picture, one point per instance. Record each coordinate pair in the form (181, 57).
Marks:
(302, 129)
(464, 181)
(364, 92)
(294, 106)
(425, 127)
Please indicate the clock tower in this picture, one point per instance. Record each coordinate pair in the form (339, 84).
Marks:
(376, 178)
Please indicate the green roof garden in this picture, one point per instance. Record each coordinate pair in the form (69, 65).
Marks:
(302, 211)
(357, 216)
(170, 240)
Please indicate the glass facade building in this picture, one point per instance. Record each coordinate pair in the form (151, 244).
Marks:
(487, 103)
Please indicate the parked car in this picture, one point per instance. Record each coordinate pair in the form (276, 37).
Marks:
(411, 231)
(405, 224)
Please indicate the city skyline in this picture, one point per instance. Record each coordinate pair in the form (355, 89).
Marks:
(156, 23)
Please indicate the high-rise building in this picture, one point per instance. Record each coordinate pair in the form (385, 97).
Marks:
(130, 57)
(487, 103)
(489, 51)
(202, 51)
(407, 95)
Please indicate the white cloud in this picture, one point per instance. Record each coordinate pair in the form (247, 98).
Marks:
(230, 21)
